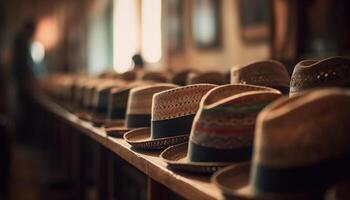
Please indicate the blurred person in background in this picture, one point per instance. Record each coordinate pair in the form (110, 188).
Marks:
(23, 78)
(138, 61)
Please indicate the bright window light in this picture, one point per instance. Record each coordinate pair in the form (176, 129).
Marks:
(151, 30)
(37, 52)
(47, 32)
(124, 34)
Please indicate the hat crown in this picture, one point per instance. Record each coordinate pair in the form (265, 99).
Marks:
(308, 74)
(118, 97)
(266, 73)
(140, 98)
(178, 102)
(223, 127)
(101, 93)
(225, 91)
(303, 130)
(232, 114)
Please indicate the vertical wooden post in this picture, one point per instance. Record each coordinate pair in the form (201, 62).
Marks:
(105, 170)
(156, 191)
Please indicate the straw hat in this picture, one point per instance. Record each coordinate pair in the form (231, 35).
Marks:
(172, 115)
(301, 147)
(223, 129)
(117, 102)
(138, 112)
(269, 73)
(207, 77)
(100, 101)
(85, 98)
(330, 72)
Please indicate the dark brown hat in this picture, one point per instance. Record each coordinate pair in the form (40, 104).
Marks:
(269, 73)
(117, 102)
(311, 74)
(138, 112)
(100, 101)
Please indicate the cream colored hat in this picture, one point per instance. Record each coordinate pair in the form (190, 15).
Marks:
(172, 115)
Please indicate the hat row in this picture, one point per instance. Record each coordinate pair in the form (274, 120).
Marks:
(298, 145)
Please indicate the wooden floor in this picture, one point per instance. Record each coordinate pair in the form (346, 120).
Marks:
(27, 178)
(34, 177)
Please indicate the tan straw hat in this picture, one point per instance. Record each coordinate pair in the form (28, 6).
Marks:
(301, 147)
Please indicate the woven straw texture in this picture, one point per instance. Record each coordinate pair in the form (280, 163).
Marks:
(308, 74)
(265, 73)
(178, 102)
(140, 98)
(230, 123)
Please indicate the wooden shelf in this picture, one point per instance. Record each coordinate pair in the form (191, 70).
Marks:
(189, 186)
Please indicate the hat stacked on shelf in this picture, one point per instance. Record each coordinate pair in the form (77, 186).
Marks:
(313, 74)
(100, 101)
(223, 129)
(138, 113)
(301, 147)
(117, 103)
(172, 115)
(261, 144)
(269, 73)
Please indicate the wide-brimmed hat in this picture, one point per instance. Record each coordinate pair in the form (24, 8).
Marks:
(301, 146)
(100, 101)
(86, 96)
(138, 112)
(212, 77)
(172, 115)
(311, 74)
(269, 73)
(223, 129)
(117, 102)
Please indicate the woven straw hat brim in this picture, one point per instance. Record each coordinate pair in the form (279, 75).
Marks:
(141, 139)
(233, 181)
(117, 131)
(176, 158)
